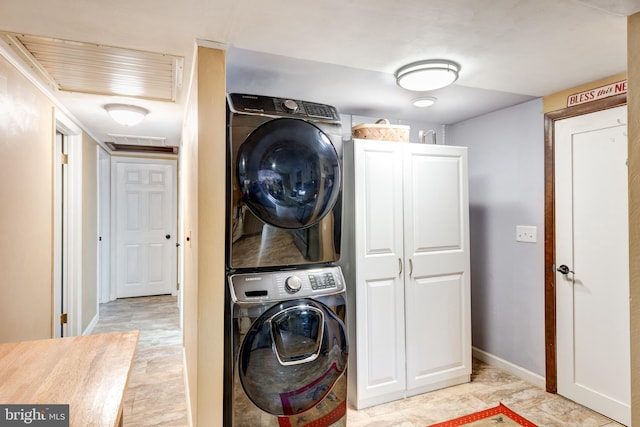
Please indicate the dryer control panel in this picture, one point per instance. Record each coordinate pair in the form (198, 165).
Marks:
(282, 285)
(282, 107)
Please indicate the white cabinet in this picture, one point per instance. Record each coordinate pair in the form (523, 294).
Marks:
(406, 260)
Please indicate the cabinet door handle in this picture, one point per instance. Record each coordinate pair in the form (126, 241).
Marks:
(410, 267)
(400, 266)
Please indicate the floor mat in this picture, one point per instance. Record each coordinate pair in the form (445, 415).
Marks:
(500, 415)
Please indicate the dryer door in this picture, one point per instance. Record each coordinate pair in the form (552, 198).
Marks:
(292, 356)
(289, 173)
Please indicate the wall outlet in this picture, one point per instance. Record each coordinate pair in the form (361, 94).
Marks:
(526, 233)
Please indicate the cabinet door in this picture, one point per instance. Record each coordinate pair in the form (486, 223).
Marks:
(437, 286)
(379, 288)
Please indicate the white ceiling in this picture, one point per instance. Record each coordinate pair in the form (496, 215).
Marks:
(344, 52)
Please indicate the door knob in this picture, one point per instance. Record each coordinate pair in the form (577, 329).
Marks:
(563, 269)
(168, 236)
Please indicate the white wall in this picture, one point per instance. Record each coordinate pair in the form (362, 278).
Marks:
(506, 188)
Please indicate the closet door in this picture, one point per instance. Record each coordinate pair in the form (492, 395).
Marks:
(379, 268)
(436, 248)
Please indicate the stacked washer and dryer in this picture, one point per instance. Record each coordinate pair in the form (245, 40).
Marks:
(286, 341)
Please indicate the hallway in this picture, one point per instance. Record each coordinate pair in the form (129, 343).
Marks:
(155, 396)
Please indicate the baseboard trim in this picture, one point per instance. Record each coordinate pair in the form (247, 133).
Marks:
(187, 396)
(515, 370)
(92, 325)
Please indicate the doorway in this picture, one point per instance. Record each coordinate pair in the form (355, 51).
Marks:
(67, 234)
(592, 282)
(575, 153)
(144, 226)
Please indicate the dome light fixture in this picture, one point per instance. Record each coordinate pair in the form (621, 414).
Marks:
(127, 115)
(427, 75)
(423, 102)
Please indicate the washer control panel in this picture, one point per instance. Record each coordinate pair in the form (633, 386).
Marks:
(282, 285)
(282, 107)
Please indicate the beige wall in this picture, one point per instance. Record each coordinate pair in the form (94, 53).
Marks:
(204, 175)
(633, 102)
(26, 150)
(26, 219)
(558, 101)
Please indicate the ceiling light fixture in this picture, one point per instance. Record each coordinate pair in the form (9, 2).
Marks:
(425, 101)
(127, 115)
(427, 75)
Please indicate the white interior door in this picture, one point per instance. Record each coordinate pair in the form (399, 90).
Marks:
(592, 300)
(145, 215)
(436, 248)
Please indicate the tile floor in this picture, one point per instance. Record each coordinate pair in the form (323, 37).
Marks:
(155, 396)
(488, 387)
(156, 388)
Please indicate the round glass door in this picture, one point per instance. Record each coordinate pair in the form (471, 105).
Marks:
(289, 173)
(292, 356)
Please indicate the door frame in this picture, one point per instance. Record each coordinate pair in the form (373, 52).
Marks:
(73, 234)
(115, 160)
(550, 226)
(104, 224)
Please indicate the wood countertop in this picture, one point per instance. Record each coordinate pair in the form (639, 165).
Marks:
(90, 373)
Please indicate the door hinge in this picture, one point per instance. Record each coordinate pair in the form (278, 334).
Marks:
(63, 319)
(177, 286)
(64, 159)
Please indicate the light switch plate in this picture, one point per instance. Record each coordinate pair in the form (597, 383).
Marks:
(526, 233)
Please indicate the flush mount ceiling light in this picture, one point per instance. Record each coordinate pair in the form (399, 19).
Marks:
(427, 75)
(425, 101)
(127, 115)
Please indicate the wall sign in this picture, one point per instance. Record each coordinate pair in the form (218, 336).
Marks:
(597, 93)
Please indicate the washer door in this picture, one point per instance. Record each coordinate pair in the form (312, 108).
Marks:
(289, 173)
(292, 356)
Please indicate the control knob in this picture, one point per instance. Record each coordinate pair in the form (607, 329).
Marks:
(293, 284)
(290, 105)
